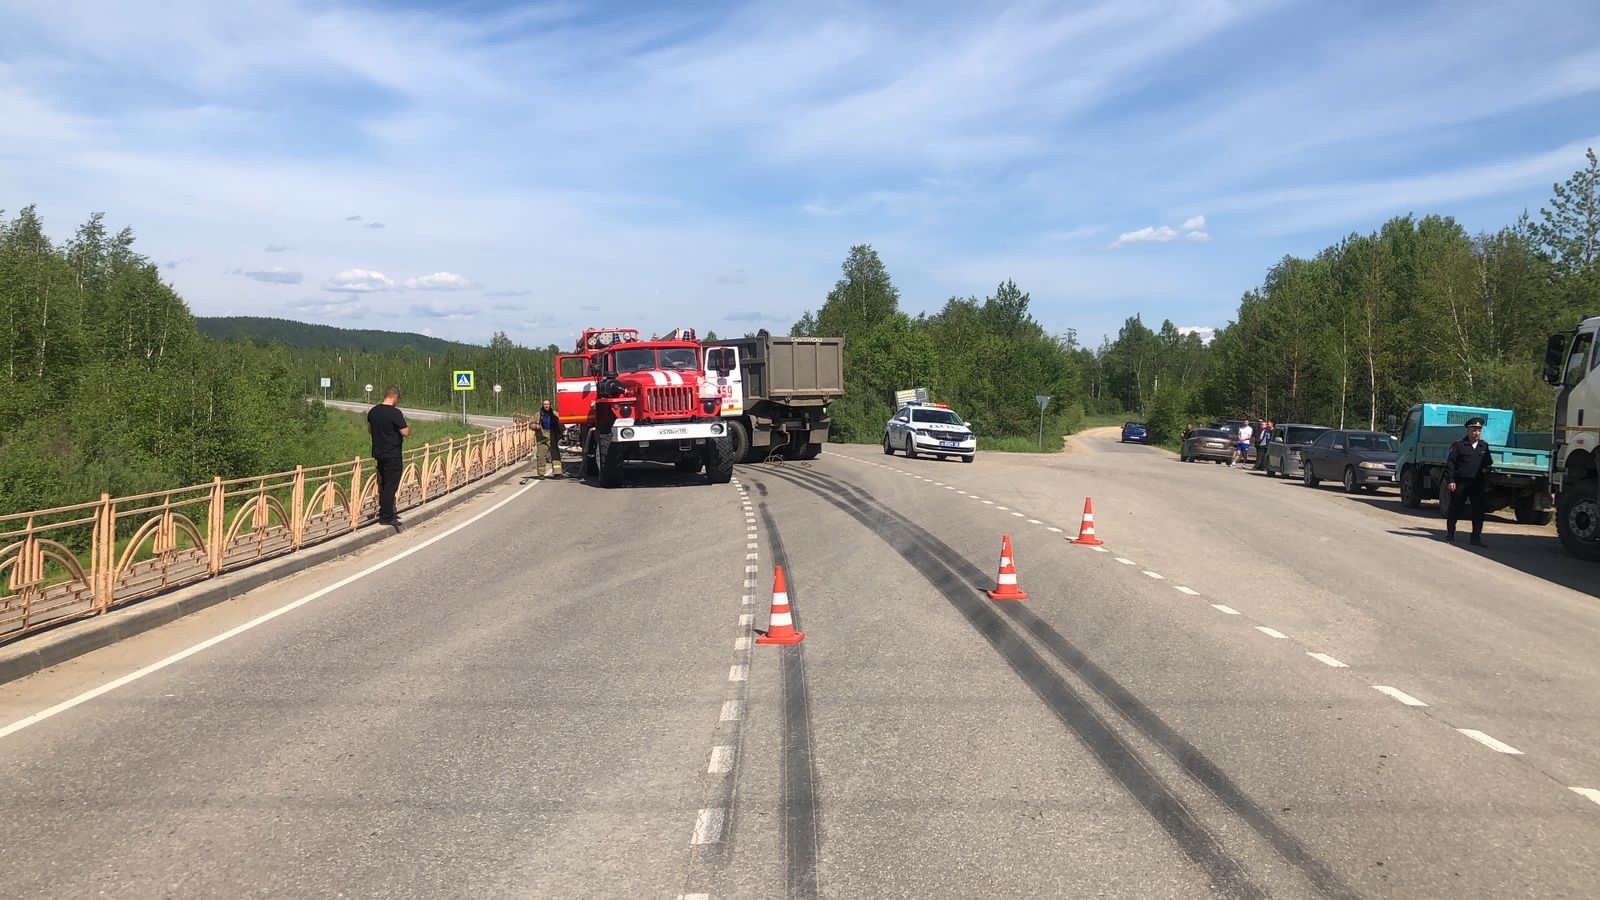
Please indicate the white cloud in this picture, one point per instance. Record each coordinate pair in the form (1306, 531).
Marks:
(1159, 235)
(1197, 236)
(274, 275)
(1194, 223)
(439, 281)
(359, 281)
(1206, 332)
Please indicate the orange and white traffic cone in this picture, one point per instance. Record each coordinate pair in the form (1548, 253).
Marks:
(780, 628)
(1005, 584)
(1086, 531)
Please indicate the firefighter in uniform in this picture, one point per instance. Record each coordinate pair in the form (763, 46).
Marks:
(547, 428)
(1466, 471)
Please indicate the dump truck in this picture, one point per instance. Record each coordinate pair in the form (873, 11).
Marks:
(620, 398)
(775, 392)
(1519, 477)
(1569, 365)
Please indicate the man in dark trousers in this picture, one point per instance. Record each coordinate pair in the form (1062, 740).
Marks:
(549, 425)
(1466, 470)
(387, 425)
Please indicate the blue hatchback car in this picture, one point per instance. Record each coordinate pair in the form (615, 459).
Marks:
(1136, 432)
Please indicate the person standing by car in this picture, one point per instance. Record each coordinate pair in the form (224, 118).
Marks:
(1466, 468)
(549, 431)
(1241, 447)
(1263, 438)
(389, 430)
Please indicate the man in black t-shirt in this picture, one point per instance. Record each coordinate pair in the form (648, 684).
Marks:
(387, 425)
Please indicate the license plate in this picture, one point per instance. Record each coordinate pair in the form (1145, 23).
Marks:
(674, 431)
(952, 444)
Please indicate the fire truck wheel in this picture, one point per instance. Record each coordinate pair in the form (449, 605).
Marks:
(719, 460)
(591, 468)
(608, 460)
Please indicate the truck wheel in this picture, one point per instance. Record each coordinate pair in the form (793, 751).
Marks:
(1578, 519)
(811, 451)
(591, 468)
(608, 460)
(1527, 515)
(1410, 488)
(739, 434)
(1444, 498)
(719, 460)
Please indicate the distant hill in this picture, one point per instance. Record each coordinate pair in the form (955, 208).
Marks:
(306, 336)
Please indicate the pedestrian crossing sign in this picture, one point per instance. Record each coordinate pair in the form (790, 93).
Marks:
(463, 379)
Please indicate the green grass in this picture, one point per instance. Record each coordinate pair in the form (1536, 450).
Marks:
(346, 437)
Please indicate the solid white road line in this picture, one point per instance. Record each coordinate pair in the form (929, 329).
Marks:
(1272, 632)
(1327, 660)
(1491, 743)
(707, 827)
(234, 632)
(1398, 694)
(1225, 610)
(1591, 793)
(1187, 590)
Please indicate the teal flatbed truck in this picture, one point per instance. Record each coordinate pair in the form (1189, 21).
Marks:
(1519, 478)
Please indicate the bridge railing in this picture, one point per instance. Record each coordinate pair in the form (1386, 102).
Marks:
(83, 560)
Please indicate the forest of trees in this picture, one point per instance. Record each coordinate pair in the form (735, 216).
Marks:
(110, 385)
(1418, 310)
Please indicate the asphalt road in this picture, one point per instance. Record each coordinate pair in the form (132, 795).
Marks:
(552, 692)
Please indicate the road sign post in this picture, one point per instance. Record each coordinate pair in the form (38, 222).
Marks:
(369, 393)
(463, 383)
(326, 383)
(497, 399)
(1043, 401)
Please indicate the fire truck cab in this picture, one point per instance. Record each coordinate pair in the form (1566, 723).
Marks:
(621, 397)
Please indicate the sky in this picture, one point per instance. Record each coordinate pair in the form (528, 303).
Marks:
(463, 168)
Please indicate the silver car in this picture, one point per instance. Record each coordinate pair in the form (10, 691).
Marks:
(1287, 448)
(931, 428)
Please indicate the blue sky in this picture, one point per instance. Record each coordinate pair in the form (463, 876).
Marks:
(467, 167)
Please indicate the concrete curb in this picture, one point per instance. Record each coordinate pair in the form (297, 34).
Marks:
(35, 653)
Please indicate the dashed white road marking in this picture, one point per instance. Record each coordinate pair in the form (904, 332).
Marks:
(1156, 575)
(1035, 522)
(732, 710)
(1398, 694)
(1125, 561)
(1225, 610)
(747, 619)
(750, 546)
(964, 493)
(1055, 529)
(985, 502)
(1099, 549)
(1591, 793)
(752, 555)
(749, 599)
(1272, 632)
(1491, 743)
(749, 582)
(738, 672)
(721, 760)
(1017, 514)
(1186, 590)
(1002, 507)
(707, 827)
(741, 643)
(1327, 660)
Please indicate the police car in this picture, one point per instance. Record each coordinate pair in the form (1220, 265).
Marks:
(931, 428)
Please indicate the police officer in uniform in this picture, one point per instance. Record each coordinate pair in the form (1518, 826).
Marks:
(1466, 470)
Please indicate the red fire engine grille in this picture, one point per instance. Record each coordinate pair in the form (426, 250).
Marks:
(669, 400)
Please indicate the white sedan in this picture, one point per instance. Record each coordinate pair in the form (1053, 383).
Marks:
(931, 428)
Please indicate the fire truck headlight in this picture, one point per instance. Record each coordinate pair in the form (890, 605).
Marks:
(716, 428)
(709, 405)
(626, 434)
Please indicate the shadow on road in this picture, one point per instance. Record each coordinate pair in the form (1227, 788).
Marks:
(1532, 549)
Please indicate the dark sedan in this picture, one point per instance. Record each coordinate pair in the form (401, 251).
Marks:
(1214, 444)
(1360, 460)
(1287, 446)
(1136, 432)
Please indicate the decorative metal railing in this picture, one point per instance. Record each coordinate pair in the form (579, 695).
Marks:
(83, 560)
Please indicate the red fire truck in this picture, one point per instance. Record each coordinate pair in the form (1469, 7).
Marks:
(621, 397)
